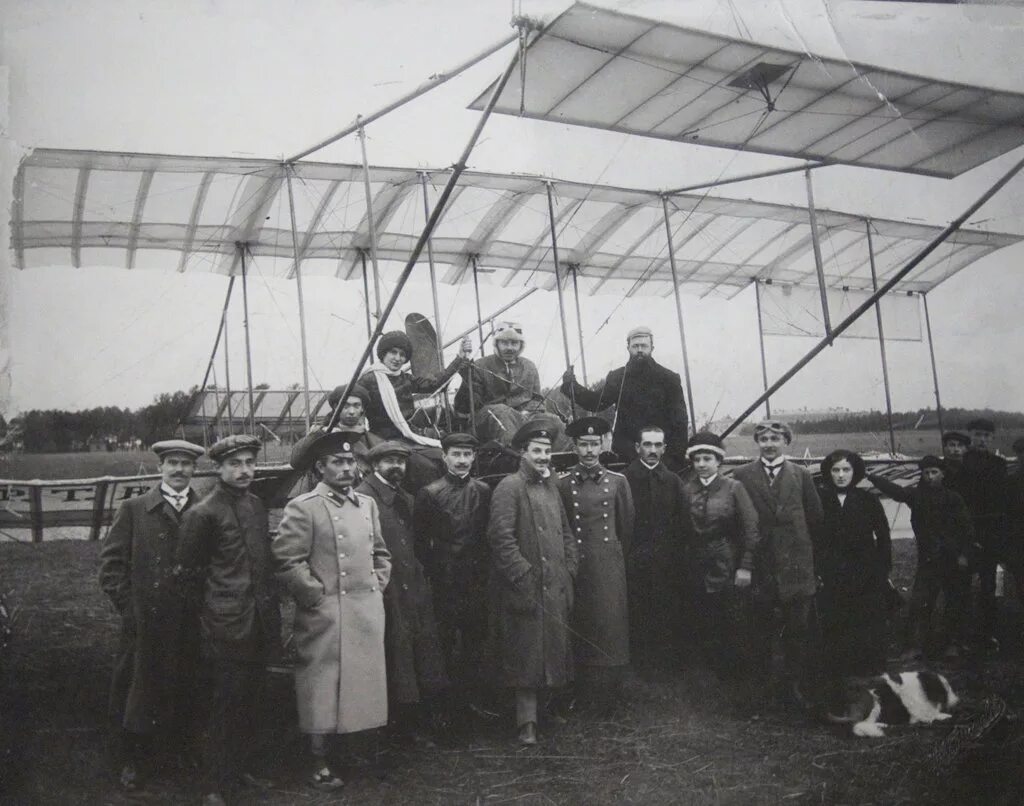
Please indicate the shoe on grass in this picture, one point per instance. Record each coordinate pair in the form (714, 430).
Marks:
(528, 733)
(130, 780)
(324, 780)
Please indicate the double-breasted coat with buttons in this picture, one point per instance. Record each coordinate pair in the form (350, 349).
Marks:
(599, 506)
(790, 519)
(331, 557)
(224, 554)
(534, 558)
(158, 633)
(414, 660)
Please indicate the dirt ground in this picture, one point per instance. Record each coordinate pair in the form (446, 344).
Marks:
(683, 739)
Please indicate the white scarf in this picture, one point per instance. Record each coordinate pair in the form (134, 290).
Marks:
(394, 411)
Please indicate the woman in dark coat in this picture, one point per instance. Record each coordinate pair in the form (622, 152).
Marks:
(854, 561)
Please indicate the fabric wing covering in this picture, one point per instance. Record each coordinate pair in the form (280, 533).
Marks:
(188, 214)
(608, 70)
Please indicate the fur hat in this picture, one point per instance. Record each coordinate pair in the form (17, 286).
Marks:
(391, 340)
(357, 391)
(705, 442)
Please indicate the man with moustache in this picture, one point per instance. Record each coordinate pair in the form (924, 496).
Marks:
(416, 673)
(790, 520)
(644, 393)
(331, 557)
(149, 691)
(505, 389)
(534, 561)
(599, 506)
(655, 560)
(224, 555)
(451, 541)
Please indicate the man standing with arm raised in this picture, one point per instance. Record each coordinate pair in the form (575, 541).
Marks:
(643, 393)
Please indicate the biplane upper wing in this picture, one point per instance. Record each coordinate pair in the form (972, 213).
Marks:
(605, 69)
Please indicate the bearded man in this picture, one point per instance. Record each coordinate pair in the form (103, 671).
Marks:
(644, 393)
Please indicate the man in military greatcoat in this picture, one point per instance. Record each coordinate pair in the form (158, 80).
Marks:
(451, 541)
(644, 393)
(416, 674)
(655, 561)
(331, 557)
(790, 520)
(599, 506)
(224, 556)
(534, 557)
(149, 691)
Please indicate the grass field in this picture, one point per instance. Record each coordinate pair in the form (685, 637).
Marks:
(687, 740)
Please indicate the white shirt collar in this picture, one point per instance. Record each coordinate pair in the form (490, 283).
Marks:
(650, 467)
(167, 490)
(774, 462)
(708, 481)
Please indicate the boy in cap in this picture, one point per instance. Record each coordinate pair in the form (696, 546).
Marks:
(534, 557)
(331, 557)
(391, 404)
(224, 554)
(599, 506)
(505, 389)
(149, 689)
(784, 582)
(415, 668)
(643, 393)
(451, 541)
(943, 534)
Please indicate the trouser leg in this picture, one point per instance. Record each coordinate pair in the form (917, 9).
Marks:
(956, 588)
(796, 615)
(228, 729)
(986, 614)
(526, 706)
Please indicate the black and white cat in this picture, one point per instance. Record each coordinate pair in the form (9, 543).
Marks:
(899, 698)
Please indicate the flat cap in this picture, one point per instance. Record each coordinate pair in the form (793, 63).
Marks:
(317, 444)
(956, 436)
(930, 461)
(389, 448)
(642, 330)
(982, 424)
(705, 442)
(357, 391)
(391, 340)
(167, 446)
(588, 427)
(458, 439)
(773, 427)
(223, 448)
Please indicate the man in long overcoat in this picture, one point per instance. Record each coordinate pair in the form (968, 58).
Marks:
(655, 569)
(331, 558)
(416, 671)
(224, 556)
(149, 690)
(535, 559)
(790, 521)
(599, 506)
(644, 393)
(451, 541)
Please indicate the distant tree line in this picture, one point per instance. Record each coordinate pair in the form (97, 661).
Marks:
(873, 421)
(50, 430)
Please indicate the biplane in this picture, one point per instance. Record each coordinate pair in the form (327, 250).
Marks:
(806, 269)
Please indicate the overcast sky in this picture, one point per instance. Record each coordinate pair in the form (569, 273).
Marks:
(268, 78)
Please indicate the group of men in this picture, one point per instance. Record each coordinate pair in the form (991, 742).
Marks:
(420, 593)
